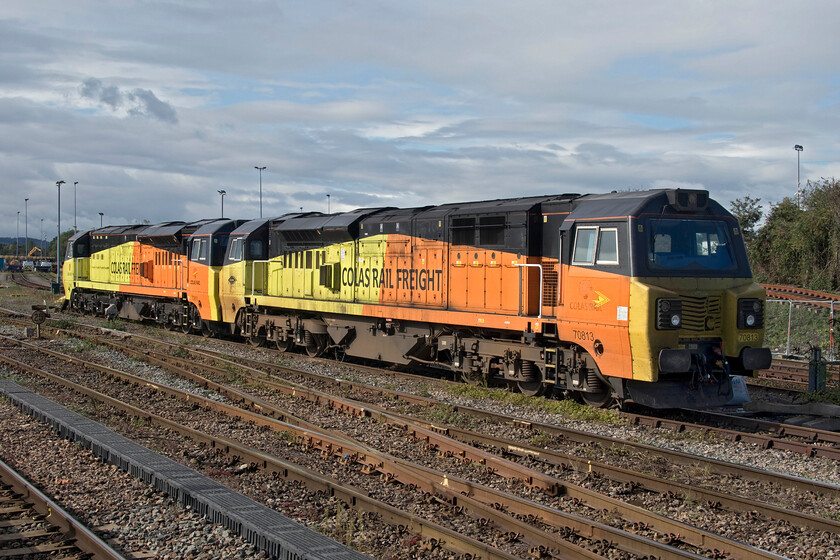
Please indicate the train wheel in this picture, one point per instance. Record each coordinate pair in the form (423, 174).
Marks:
(601, 396)
(186, 328)
(206, 331)
(256, 341)
(284, 344)
(169, 324)
(532, 380)
(315, 344)
(531, 388)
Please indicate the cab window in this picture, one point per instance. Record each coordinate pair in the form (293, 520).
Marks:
(235, 252)
(199, 250)
(595, 245)
(607, 246)
(256, 250)
(585, 245)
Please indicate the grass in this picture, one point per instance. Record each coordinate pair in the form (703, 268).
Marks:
(445, 414)
(286, 437)
(62, 323)
(567, 408)
(830, 396)
(541, 439)
(180, 352)
(807, 327)
(137, 422)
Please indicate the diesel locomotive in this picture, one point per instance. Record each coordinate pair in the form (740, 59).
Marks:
(644, 297)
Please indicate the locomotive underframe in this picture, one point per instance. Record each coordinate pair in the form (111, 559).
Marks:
(172, 313)
(536, 364)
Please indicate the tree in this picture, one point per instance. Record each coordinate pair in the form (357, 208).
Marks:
(798, 246)
(65, 236)
(749, 213)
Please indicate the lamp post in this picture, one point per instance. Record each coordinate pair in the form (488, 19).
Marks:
(75, 229)
(328, 204)
(58, 238)
(100, 220)
(42, 238)
(26, 227)
(17, 238)
(798, 149)
(223, 192)
(260, 169)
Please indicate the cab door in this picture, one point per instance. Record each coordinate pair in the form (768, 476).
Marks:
(199, 276)
(596, 292)
(231, 280)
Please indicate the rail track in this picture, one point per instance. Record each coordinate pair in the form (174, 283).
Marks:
(23, 280)
(810, 442)
(810, 297)
(397, 474)
(33, 524)
(482, 503)
(437, 443)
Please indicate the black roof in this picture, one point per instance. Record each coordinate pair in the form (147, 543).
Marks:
(250, 227)
(216, 226)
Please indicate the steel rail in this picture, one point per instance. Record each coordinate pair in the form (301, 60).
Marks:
(822, 299)
(377, 461)
(441, 443)
(355, 498)
(570, 434)
(712, 497)
(776, 441)
(83, 538)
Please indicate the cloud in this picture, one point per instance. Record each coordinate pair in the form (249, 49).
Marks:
(137, 102)
(405, 104)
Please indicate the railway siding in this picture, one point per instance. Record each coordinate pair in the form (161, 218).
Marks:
(262, 526)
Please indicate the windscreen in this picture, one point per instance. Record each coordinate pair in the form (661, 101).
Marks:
(681, 245)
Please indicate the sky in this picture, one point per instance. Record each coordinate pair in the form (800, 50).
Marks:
(152, 107)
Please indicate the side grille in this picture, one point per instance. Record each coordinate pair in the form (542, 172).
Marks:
(701, 314)
(550, 278)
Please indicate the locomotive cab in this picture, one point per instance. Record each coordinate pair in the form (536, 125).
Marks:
(696, 316)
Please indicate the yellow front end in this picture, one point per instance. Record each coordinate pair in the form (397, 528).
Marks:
(709, 317)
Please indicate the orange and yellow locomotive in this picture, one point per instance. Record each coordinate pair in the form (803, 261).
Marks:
(636, 296)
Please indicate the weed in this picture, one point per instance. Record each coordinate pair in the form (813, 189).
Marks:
(444, 414)
(62, 324)
(236, 375)
(286, 437)
(540, 439)
(424, 390)
(347, 524)
(180, 352)
(831, 396)
(567, 408)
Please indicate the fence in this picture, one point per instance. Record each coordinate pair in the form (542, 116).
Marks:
(793, 327)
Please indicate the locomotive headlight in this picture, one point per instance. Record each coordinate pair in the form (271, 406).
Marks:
(750, 314)
(668, 314)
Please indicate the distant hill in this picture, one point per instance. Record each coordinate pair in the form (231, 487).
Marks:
(11, 240)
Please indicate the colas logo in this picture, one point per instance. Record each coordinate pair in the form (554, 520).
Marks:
(593, 300)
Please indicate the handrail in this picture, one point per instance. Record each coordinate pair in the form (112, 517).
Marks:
(539, 316)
